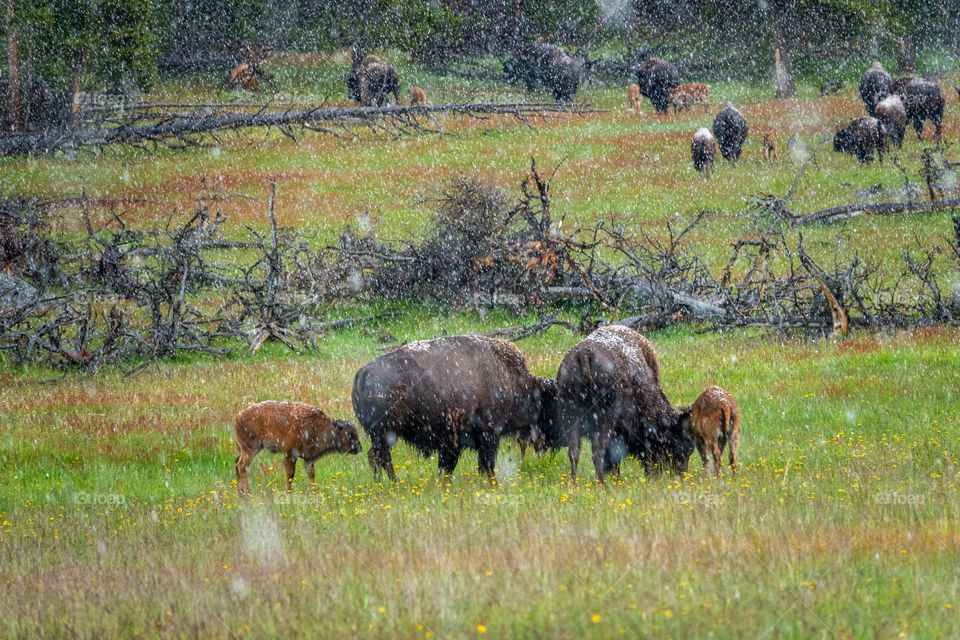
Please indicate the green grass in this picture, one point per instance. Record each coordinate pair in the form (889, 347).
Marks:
(118, 513)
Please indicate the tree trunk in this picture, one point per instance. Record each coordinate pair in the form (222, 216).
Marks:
(517, 18)
(783, 59)
(907, 56)
(13, 70)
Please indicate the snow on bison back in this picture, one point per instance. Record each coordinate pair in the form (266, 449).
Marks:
(448, 394)
(608, 390)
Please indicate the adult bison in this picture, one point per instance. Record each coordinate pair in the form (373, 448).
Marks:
(731, 130)
(448, 394)
(371, 81)
(608, 389)
(862, 138)
(923, 100)
(874, 87)
(546, 65)
(657, 78)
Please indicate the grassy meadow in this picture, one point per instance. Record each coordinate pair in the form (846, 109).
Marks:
(118, 509)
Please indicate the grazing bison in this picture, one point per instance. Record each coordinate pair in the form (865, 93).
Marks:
(546, 65)
(608, 389)
(703, 150)
(371, 81)
(683, 96)
(893, 116)
(449, 394)
(418, 97)
(861, 138)
(656, 79)
(296, 429)
(633, 97)
(874, 87)
(923, 100)
(731, 130)
(714, 421)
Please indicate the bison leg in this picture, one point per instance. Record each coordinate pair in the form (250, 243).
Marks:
(717, 452)
(243, 468)
(938, 129)
(600, 443)
(447, 460)
(734, 444)
(917, 126)
(312, 471)
(573, 452)
(487, 454)
(290, 464)
(702, 450)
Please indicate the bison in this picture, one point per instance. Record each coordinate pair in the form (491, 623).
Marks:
(633, 97)
(714, 421)
(684, 95)
(371, 81)
(448, 394)
(296, 429)
(731, 130)
(608, 389)
(874, 87)
(656, 79)
(893, 116)
(703, 150)
(861, 138)
(923, 100)
(771, 152)
(546, 65)
(418, 97)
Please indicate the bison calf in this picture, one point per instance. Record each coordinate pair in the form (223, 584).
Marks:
(685, 95)
(633, 97)
(418, 97)
(893, 116)
(703, 150)
(770, 149)
(296, 429)
(861, 138)
(714, 421)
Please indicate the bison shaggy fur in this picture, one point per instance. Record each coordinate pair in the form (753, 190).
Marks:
(608, 390)
(294, 428)
(731, 130)
(862, 138)
(657, 78)
(448, 394)
(874, 87)
(546, 65)
(923, 100)
(372, 81)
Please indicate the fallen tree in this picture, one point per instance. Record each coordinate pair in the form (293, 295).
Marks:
(173, 126)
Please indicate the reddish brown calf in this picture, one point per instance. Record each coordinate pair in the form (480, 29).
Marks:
(715, 421)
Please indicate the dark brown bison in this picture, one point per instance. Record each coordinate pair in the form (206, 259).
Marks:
(448, 394)
(546, 65)
(657, 78)
(703, 150)
(608, 389)
(714, 421)
(874, 87)
(862, 138)
(731, 130)
(371, 81)
(893, 116)
(296, 429)
(923, 100)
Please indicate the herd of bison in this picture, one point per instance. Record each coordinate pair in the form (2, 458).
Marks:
(466, 392)
(891, 104)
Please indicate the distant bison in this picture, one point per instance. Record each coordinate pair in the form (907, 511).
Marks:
(684, 95)
(633, 97)
(874, 87)
(893, 116)
(546, 65)
(418, 97)
(923, 100)
(371, 81)
(731, 130)
(771, 151)
(657, 79)
(703, 151)
(608, 390)
(448, 394)
(862, 138)
(296, 429)
(714, 421)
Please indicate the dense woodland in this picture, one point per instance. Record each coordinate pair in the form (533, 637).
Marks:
(55, 51)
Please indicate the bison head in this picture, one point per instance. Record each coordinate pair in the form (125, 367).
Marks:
(547, 433)
(842, 141)
(679, 441)
(347, 436)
